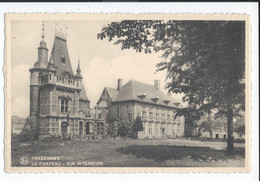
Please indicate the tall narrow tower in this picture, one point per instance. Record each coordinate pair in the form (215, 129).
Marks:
(39, 65)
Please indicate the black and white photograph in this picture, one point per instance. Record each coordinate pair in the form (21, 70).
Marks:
(127, 91)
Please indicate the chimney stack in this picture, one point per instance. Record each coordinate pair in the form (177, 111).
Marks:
(119, 84)
(157, 84)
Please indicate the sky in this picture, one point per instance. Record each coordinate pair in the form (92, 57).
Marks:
(102, 63)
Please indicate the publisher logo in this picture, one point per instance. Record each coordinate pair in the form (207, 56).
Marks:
(24, 160)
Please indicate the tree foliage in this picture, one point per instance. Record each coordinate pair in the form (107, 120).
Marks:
(124, 129)
(137, 126)
(205, 60)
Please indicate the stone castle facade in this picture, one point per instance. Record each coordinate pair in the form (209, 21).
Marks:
(59, 105)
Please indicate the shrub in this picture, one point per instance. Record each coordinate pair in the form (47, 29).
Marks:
(137, 126)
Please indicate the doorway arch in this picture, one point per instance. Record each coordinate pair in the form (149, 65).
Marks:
(80, 128)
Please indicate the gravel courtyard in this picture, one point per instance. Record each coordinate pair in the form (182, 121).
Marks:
(133, 153)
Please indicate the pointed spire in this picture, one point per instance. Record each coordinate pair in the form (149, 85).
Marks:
(78, 74)
(78, 68)
(66, 28)
(42, 43)
(51, 62)
(43, 31)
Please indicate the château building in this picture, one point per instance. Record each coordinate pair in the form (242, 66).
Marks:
(156, 109)
(59, 105)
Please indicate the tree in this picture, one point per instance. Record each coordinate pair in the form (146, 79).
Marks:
(205, 60)
(241, 130)
(207, 126)
(137, 126)
(124, 129)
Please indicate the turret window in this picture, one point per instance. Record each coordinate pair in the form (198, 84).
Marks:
(63, 59)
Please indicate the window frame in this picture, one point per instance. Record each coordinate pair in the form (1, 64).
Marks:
(64, 105)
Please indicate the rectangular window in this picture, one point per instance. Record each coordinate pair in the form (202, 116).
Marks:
(157, 115)
(143, 114)
(99, 115)
(151, 114)
(147, 111)
(64, 105)
(144, 125)
(150, 128)
(163, 116)
(130, 117)
(168, 117)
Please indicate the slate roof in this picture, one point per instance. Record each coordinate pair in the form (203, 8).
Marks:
(83, 95)
(58, 52)
(138, 91)
(112, 92)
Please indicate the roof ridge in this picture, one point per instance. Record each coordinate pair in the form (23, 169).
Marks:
(142, 82)
(110, 87)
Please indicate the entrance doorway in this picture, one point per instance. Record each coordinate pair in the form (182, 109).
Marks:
(163, 132)
(87, 128)
(64, 129)
(80, 128)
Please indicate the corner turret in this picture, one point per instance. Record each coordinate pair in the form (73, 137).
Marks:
(39, 65)
(42, 53)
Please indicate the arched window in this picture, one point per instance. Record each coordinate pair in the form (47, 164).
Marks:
(80, 127)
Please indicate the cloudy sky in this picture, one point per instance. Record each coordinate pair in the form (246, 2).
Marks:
(102, 63)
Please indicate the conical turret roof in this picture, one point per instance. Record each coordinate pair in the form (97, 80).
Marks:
(78, 74)
(60, 57)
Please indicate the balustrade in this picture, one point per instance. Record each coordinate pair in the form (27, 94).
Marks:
(60, 80)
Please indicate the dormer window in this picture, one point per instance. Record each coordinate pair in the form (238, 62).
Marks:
(155, 99)
(177, 104)
(166, 102)
(63, 59)
(142, 96)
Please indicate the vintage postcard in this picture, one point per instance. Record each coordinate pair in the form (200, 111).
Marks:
(127, 93)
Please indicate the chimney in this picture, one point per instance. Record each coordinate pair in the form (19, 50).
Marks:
(119, 84)
(157, 84)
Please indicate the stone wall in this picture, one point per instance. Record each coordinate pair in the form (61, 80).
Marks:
(155, 126)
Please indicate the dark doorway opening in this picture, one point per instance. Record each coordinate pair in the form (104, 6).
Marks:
(87, 128)
(64, 128)
(80, 128)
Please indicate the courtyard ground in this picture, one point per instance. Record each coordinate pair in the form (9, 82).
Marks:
(134, 153)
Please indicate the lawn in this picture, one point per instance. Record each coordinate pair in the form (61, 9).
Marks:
(134, 153)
